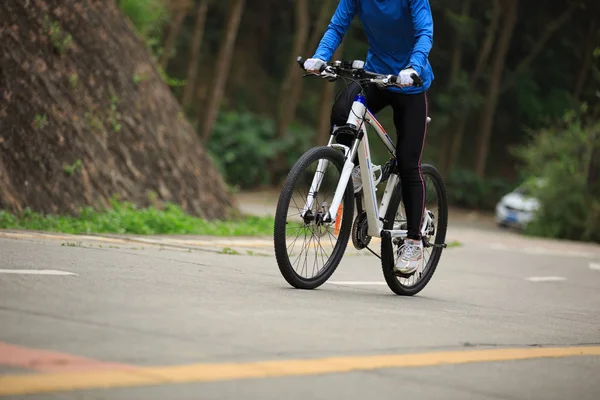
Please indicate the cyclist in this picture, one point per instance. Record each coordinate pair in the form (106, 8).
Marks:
(400, 36)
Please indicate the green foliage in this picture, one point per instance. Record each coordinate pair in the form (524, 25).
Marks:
(561, 156)
(71, 169)
(61, 41)
(73, 80)
(114, 116)
(173, 82)
(243, 146)
(466, 189)
(124, 217)
(229, 250)
(137, 78)
(40, 121)
(149, 18)
(93, 122)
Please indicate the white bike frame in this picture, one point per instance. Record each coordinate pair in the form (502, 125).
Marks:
(360, 117)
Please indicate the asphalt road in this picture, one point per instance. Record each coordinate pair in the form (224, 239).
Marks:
(504, 317)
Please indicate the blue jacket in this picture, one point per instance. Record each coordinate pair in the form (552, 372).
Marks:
(400, 34)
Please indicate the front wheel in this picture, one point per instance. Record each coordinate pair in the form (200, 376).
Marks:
(308, 248)
(436, 207)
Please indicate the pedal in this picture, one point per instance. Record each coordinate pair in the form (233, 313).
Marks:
(440, 245)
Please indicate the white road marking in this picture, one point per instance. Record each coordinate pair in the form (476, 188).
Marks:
(595, 266)
(35, 272)
(545, 278)
(357, 283)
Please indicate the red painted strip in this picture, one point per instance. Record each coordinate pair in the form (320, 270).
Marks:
(51, 361)
(377, 122)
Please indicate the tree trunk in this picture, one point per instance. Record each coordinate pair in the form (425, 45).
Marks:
(488, 43)
(455, 68)
(481, 63)
(85, 116)
(291, 88)
(588, 49)
(456, 59)
(263, 26)
(320, 26)
(222, 68)
(180, 13)
(491, 99)
(327, 98)
(195, 48)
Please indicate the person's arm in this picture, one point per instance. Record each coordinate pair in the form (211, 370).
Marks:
(336, 30)
(423, 25)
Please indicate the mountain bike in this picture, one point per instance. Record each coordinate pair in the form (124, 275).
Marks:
(314, 218)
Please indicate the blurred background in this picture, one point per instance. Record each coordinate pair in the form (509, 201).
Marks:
(192, 101)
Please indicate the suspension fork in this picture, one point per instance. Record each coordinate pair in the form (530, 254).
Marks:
(316, 182)
(341, 187)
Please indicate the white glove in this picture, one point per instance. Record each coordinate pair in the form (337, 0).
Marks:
(404, 78)
(313, 64)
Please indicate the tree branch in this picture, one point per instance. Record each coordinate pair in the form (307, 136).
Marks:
(488, 43)
(539, 46)
(320, 25)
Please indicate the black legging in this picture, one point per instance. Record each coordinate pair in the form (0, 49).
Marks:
(410, 119)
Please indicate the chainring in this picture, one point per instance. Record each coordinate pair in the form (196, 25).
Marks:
(360, 229)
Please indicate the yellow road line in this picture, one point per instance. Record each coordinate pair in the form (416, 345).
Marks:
(68, 381)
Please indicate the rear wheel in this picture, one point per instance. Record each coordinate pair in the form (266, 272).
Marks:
(436, 205)
(307, 247)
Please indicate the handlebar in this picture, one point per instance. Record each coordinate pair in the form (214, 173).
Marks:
(337, 69)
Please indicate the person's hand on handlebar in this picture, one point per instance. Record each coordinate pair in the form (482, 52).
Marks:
(314, 65)
(405, 77)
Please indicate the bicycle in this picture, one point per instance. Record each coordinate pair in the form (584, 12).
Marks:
(333, 220)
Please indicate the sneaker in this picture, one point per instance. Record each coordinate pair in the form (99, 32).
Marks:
(409, 255)
(356, 179)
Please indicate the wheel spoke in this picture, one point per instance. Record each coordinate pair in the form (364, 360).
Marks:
(434, 203)
(306, 246)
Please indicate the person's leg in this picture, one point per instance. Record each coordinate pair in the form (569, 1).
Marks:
(340, 110)
(410, 119)
(376, 100)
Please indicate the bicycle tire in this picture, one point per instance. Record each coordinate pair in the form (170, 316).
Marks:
(279, 232)
(387, 250)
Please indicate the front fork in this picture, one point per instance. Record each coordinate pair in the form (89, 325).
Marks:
(341, 186)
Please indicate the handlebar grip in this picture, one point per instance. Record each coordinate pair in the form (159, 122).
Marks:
(301, 61)
(417, 81)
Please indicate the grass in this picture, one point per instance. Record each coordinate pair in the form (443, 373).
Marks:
(70, 244)
(228, 250)
(454, 243)
(126, 218)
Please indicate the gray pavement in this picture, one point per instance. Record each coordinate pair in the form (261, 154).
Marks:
(178, 302)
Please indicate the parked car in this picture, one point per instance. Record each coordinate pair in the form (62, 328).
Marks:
(516, 209)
